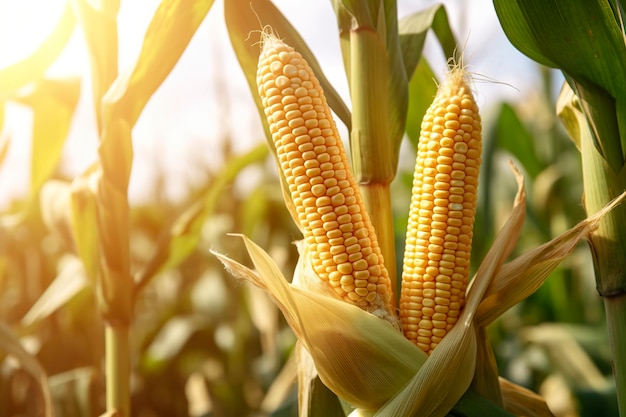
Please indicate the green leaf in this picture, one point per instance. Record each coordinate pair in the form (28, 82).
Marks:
(422, 90)
(585, 40)
(99, 23)
(413, 30)
(10, 344)
(53, 103)
(244, 20)
(179, 241)
(169, 32)
(33, 68)
(511, 135)
(84, 221)
(581, 37)
(70, 281)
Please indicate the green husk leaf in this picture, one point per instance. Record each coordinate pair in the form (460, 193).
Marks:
(395, 377)
(32, 69)
(342, 339)
(314, 398)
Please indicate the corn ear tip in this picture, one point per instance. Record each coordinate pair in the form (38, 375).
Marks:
(268, 36)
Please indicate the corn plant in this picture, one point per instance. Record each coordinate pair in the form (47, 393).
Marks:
(371, 338)
(371, 367)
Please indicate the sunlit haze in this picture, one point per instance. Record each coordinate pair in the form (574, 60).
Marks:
(206, 99)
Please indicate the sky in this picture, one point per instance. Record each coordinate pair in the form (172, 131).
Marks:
(206, 99)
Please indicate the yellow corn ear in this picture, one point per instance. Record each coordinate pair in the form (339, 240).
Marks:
(442, 212)
(337, 230)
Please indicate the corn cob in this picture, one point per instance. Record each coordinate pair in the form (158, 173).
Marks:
(337, 230)
(442, 211)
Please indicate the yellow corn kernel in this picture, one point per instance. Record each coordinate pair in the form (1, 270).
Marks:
(442, 211)
(336, 227)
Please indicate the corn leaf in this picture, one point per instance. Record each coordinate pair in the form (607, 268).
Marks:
(69, 282)
(581, 37)
(522, 276)
(523, 402)
(511, 135)
(115, 161)
(53, 103)
(32, 69)
(422, 85)
(99, 23)
(244, 18)
(572, 119)
(584, 39)
(84, 221)
(169, 32)
(422, 90)
(413, 30)
(10, 344)
(179, 241)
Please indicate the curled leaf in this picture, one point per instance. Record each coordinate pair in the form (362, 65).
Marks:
(523, 402)
(361, 358)
(521, 277)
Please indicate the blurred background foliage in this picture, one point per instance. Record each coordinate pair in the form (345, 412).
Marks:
(205, 345)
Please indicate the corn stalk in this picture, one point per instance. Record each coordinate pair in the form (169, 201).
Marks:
(586, 41)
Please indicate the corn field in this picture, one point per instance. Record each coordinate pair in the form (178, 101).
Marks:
(401, 245)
